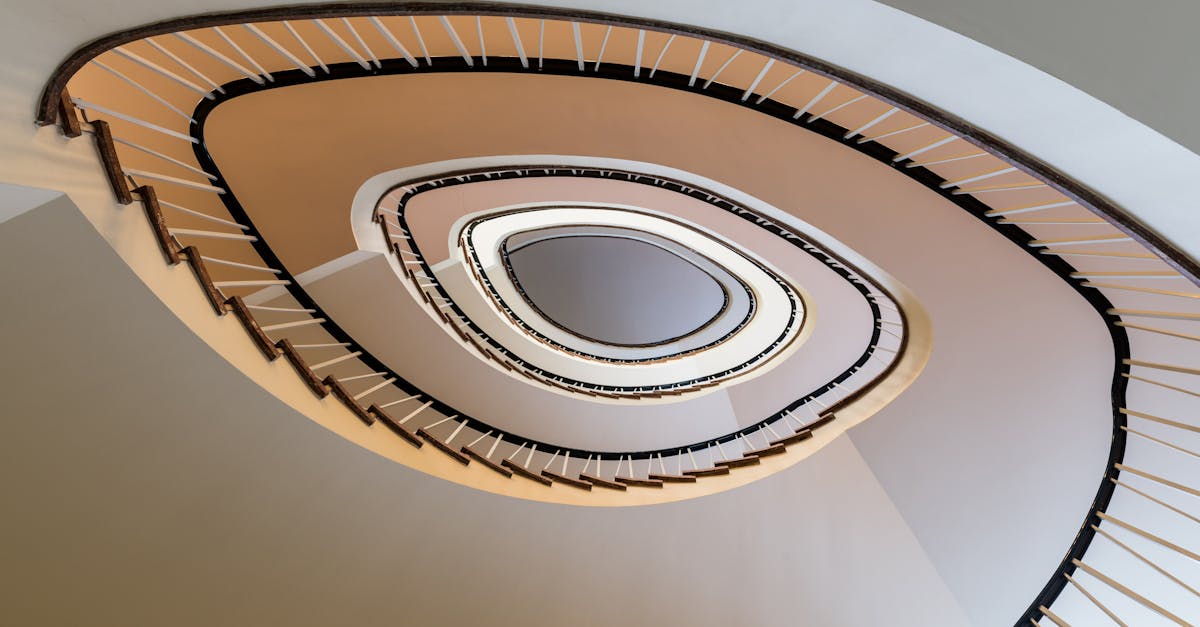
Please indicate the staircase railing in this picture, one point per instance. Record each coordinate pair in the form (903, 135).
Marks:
(1105, 255)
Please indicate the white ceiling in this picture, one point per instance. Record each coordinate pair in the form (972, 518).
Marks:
(618, 291)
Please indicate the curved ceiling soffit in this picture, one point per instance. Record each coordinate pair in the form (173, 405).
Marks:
(1025, 163)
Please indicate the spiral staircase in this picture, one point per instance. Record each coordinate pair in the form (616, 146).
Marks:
(944, 381)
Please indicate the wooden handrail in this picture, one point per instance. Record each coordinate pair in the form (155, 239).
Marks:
(523, 472)
(824, 418)
(668, 478)
(301, 366)
(707, 472)
(68, 116)
(339, 392)
(398, 428)
(601, 482)
(192, 254)
(641, 483)
(443, 447)
(797, 437)
(242, 313)
(739, 462)
(574, 483)
(483, 459)
(157, 223)
(767, 451)
(108, 159)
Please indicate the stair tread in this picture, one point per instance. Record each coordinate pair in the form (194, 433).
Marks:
(672, 478)
(767, 451)
(821, 421)
(399, 429)
(301, 367)
(796, 437)
(643, 483)
(192, 254)
(707, 472)
(443, 447)
(481, 458)
(603, 483)
(340, 393)
(242, 313)
(738, 462)
(519, 470)
(574, 483)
